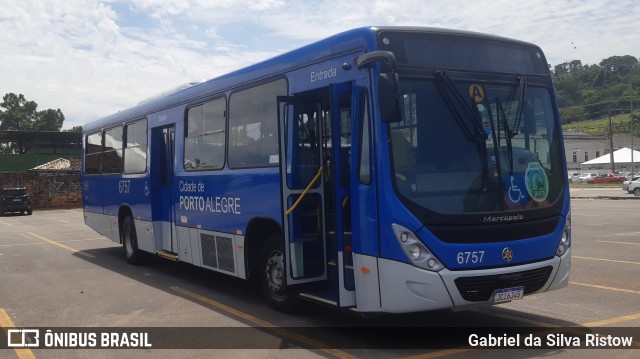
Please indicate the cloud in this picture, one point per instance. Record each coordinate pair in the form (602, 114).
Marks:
(91, 58)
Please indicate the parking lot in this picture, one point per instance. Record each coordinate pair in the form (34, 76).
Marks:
(56, 272)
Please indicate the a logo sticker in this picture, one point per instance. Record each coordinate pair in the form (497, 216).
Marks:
(507, 254)
(476, 92)
(536, 182)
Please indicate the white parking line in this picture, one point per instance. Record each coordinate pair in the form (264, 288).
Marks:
(614, 242)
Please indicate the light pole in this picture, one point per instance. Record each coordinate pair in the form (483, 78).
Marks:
(633, 165)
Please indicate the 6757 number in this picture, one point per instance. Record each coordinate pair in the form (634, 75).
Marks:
(124, 186)
(470, 257)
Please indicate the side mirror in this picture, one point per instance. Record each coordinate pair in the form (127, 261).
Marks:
(389, 98)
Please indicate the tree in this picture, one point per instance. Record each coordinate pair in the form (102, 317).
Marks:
(619, 64)
(74, 129)
(48, 120)
(20, 113)
(23, 115)
(575, 65)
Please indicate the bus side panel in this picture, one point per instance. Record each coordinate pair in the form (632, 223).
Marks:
(227, 201)
(98, 222)
(184, 244)
(92, 201)
(144, 235)
(131, 192)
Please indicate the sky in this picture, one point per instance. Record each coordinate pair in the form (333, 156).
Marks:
(92, 58)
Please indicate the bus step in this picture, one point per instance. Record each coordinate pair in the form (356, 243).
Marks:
(167, 255)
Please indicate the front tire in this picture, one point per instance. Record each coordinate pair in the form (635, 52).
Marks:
(636, 191)
(273, 277)
(130, 241)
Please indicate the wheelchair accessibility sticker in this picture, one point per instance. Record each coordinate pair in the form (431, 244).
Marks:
(516, 190)
(536, 182)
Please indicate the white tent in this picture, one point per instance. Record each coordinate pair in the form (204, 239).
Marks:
(620, 156)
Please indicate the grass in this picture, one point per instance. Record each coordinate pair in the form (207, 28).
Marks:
(600, 127)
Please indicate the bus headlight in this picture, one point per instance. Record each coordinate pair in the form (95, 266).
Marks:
(415, 250)
(565, 241)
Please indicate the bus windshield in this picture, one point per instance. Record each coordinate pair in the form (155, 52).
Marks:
(476, 147)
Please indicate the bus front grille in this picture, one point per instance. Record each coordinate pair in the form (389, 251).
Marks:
(480, 289)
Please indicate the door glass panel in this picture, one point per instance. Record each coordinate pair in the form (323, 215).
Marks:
(305, 237)
(303, 145)
(345, 138)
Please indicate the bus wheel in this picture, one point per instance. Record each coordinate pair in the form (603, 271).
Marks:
(130, 241)
(273, 280)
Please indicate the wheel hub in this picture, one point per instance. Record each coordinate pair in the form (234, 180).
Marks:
(274, 270)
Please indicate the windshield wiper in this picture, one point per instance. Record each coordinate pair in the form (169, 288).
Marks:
(468, 121)
(502, 118)
(522, 90)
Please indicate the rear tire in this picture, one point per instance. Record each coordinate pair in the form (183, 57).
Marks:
(636, 192)
(130, 241)
(273, 276)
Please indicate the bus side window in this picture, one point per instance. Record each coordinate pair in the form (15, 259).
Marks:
(112, 156)
(365, 146)
(253, 126)
(135, 151)
(92, 153)
(204, 144)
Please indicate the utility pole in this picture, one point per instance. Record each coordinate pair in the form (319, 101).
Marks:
(613, 165)
(633, 165)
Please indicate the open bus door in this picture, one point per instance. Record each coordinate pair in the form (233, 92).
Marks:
(162, 162)
(302, 190)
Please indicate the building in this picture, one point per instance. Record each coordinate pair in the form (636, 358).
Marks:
(580, 148)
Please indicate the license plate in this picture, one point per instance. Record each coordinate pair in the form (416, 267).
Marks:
(17, 200)
(507, 294)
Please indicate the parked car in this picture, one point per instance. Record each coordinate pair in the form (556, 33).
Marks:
(585, 177)
(630, 175)
(15, 200)
(573, 177)
(634, 187)
(625, 184)
(606, 178)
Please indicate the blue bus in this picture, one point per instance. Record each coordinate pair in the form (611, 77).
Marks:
(383, 169)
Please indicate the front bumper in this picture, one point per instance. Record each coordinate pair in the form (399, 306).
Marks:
(18, 207)
(405, 288)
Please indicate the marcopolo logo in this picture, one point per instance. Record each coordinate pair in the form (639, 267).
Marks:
(511, 218)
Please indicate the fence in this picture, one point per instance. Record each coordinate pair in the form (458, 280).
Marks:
(47, 188)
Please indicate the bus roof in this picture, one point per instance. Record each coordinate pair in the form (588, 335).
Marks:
(358, 38)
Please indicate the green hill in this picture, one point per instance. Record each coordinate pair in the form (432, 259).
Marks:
(620, 124)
